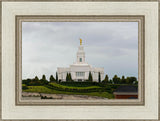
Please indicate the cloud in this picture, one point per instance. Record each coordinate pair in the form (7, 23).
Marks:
(48, 45)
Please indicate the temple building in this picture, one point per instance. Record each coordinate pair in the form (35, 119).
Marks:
(80, 69)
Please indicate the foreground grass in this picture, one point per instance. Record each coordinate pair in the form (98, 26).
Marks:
(63, 88)
(43, 89)
(71, 87)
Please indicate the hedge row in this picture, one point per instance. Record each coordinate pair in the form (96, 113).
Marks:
(81, 84)
(106, 87)
(75, 89)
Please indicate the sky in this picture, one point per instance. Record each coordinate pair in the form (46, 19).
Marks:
(48, 45)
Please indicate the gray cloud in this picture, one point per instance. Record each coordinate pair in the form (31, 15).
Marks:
(48, 45)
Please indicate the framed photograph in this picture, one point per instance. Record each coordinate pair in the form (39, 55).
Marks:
(80, 83)
(80, 60)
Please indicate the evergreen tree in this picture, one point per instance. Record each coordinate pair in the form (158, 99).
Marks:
(52, 79)
(67, 77)
(56, 77)
(123, 80)
(127, 80)
(99, 77)
(90, 79)
(36, 78)
(111, 81)
(116, 79)
(43, 81)
(106, 79)
(43, 77)
(59, 80)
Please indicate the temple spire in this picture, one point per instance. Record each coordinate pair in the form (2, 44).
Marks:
(80, 41)
(80, 54)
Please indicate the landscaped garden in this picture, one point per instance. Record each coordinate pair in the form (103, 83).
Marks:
(103, 88)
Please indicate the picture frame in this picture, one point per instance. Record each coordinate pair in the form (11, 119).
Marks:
(148, 59)
(139, 19)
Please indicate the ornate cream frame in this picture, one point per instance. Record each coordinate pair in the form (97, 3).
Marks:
(20, 18)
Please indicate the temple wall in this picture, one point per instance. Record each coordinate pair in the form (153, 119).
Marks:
(62, 72)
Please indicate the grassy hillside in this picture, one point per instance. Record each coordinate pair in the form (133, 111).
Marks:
(44, 89)
(74, 89)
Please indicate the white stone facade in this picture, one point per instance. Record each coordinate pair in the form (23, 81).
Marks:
(80, 70)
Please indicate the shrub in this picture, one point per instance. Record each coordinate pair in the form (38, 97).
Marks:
(24, 87)
(74, 89)
(81, 84)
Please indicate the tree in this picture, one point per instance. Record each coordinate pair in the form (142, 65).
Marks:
(131, 80)
(67, 77)
(43, 81)
(111, 81)
(106, 79)
(99, 77)
(52, 79)
(56, 77)
(90, 79)
(59, 80)
(123, 80)
(116, 79)
(136, 82)
(35, 81)
(127, 80)
(36, 78)
(43, 77)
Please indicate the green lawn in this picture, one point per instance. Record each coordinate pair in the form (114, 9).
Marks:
(43, 89)
(60, 87)
(80, 84)
(69, 87)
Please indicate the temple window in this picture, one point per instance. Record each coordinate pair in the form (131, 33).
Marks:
(80, 59)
